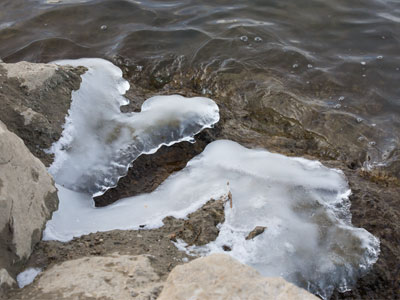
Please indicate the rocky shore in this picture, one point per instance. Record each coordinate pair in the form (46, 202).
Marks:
(34, 100)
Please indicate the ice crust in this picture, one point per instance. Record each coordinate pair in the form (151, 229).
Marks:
(309, 239)
(27, 277)
(99, 142)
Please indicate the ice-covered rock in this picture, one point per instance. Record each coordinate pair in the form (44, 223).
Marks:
(99, 142)
(27, 199)
(221, 277)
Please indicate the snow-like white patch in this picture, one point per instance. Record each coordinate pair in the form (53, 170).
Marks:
(28, 276)
(99, 142)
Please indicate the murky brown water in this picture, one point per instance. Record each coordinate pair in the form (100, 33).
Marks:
(331, 66)
(340, 57)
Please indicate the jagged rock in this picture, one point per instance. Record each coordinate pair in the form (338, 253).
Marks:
(200, 227)
(6, 281)
(27, 200)
(149, 171)
(219, 276)
(256, 231)
(34, 101)
(102, 277)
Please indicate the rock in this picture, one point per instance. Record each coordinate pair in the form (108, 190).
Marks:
(149, 171)
(219, 276)
(103, 277)
(6, 282)
(27, 200)
(32, 76)
(256, 231)
(34, 100)
(200, 227)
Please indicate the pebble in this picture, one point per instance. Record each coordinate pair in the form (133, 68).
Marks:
(103, 27)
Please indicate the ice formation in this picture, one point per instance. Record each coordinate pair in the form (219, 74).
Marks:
(99, 142)
(27, 277)
(304, 206)
(309, 239)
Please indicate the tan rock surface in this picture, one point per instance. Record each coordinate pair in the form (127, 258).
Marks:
(34, 101)
(219, 277)
(27, 199)
(100, 277)
(6, 281)
(31, 75)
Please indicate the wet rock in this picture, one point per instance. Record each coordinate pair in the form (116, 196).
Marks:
(256, 231)
(226, 248)
(149, 171)
(34, 100)
(27, 200)
(200, 228)
(219, 276)
(103, 277)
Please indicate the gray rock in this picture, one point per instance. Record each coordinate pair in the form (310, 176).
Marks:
(219, 276)
(27, 200)
(34, 101)
(6, 281)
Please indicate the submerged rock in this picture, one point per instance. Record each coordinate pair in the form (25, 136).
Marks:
(27, 200)
(219, 276)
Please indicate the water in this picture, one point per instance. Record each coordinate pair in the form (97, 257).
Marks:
(333, 56)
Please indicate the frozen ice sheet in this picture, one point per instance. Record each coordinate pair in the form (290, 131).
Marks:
(99, 142)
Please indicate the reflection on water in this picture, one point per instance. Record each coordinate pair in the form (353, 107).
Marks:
(339, 57)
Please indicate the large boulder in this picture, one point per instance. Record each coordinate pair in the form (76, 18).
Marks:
(28, 198)
(98, 277)
(219, 276)
(34, 101)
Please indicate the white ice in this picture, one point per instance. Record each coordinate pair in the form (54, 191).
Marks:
(27, 277)
(309, 239)
(99, 142)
